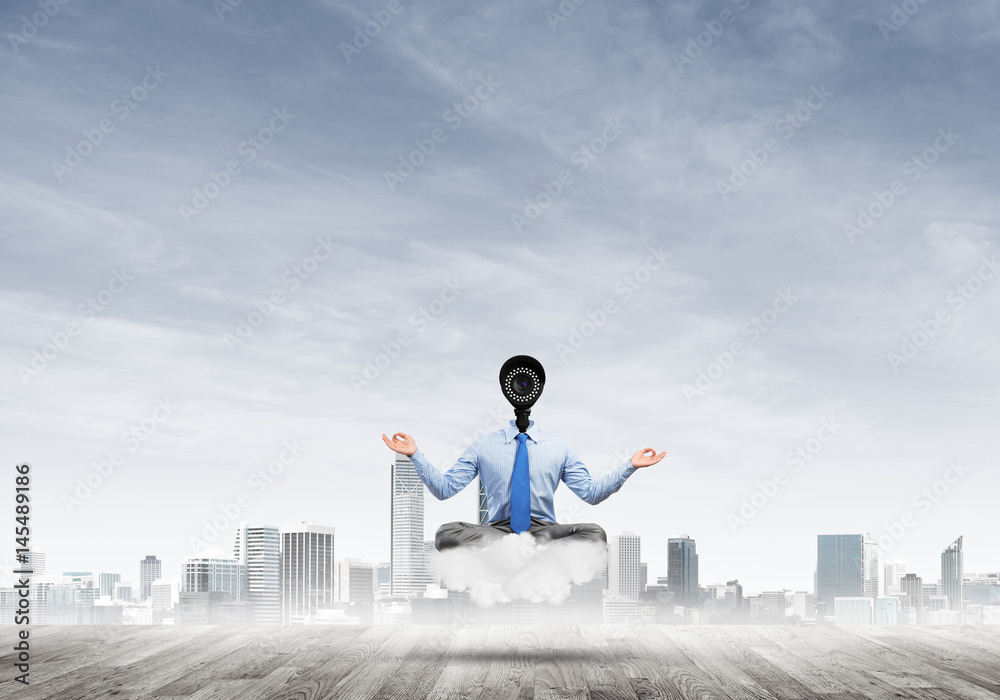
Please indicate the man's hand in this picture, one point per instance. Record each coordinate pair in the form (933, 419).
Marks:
(403, 444)
(646, 457)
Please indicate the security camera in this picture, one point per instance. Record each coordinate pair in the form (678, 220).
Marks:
(522, 380)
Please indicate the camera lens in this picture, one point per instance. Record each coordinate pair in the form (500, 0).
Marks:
(523, 383)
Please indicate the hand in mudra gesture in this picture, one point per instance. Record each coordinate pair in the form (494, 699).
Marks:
(646, 457)
(402, 443)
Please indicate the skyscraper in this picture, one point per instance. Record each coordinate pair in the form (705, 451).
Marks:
(484, 512)
(846, 567)
(407, 546)
(682, 570)
(895, 569)
(259, 550)
(624, 551)
(307, 568)
(951, 575)
(912, 586)
(106, 583)
(149, 571)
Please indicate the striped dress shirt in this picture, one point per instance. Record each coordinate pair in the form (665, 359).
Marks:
(550, 460)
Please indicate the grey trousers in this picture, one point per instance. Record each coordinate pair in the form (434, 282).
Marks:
(460, 533)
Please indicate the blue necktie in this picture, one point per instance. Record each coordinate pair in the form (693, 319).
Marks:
(520, 489)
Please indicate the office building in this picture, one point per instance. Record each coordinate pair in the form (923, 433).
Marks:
(853, 610)
(952, 577)
(307, 571)
(258, 549)
(846, 567)
(682, 570)
(352, 582)
(106, 583)
(624, 566)
(912, 587)
(149, 571)
(211, 574)
(894, 569)
(407, 532)
(381, 579)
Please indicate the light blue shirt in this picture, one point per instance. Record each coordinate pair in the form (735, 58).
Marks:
(550, 460)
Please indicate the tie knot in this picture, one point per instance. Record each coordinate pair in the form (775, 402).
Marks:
(521, 437)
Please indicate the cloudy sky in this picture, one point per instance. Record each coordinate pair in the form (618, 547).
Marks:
(728, 230)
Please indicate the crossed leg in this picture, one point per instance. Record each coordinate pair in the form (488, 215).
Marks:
(460, 533)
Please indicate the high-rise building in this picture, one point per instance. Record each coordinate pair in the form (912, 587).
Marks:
(643, 575)
(123, 591)
(872, 569)
(846, 567)
(149, 571)
(484, 511)
(951, 576)
(381, 579)
(407, 546)
(804, 605)
(106, 583)
(682, 570)
(895, 569)
(307, 571)
(623, 566)
(208, 574)
(258, 549)
(352, 581)
(912, 586)
(35, 562)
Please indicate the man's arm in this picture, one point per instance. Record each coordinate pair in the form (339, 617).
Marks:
(591, 490)
(445, 485)
(578, 479)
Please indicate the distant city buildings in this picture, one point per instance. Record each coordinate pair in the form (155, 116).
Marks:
(407, 530)
(258, 549)
(307, 571)
(952, 576)
(846, 567)
(150, 569)
(624, 566)
(682, 570)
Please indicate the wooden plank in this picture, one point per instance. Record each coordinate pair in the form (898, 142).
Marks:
(464, 674)
(559, 673)
(424, 664)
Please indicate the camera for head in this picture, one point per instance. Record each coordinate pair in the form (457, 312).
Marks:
(522, 380)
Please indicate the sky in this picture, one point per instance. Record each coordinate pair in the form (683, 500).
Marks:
(246, 236)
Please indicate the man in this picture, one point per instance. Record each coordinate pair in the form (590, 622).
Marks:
(493, 457)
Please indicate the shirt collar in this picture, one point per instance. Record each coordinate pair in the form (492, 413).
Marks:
(511, 431)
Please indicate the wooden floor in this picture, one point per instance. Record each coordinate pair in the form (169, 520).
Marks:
(313, 662)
